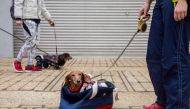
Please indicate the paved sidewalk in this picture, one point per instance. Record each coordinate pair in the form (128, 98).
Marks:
(39, 90)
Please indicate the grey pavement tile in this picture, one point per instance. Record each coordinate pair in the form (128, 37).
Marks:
(145, 74)
(108, 62)
(31, 106)
(30, 86)
(126, 82)
(126, 63)
(8, 77)
(137, 86)
(120, 86)
(55, 73)
(17, 108)
(40, 78)
(120, 63)
(139, 77)
(6, 85)
(59, 84)
(129, 75)
(54, 82)
(72, 62)
(136, 63)
(29, 78)
(44, 84)
(148, 86)
(17, 86)
(41, 86)
(117, 78)
(89, 63)
(108, 78)
(49, 79)
(130, 63)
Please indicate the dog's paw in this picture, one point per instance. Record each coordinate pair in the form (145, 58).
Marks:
(56, 67)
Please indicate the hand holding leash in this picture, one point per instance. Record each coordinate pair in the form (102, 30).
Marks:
(142, 26)
(51, 23)
(145, 8)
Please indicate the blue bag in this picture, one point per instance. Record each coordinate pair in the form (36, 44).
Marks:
(102, 100)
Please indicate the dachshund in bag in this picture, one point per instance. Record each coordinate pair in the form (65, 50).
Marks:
(77, 82)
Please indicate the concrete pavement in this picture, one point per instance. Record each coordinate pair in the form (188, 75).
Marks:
(37, 90)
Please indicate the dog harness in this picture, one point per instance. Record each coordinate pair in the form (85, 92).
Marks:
(52, 58)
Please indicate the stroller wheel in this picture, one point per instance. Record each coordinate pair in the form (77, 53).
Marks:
(38, 58)
(56, 67)
(39, 64)
(45, 65)
(38, 61)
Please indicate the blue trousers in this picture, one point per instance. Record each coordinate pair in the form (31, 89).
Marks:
(168, 58)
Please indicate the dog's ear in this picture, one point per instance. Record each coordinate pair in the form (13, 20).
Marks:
(66, 54)
(86, 78)
(67, 80)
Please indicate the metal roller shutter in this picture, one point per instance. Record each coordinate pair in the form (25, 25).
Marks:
(91, 28)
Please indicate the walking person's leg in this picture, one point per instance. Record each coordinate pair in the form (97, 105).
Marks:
(154, 55)
(32, 51)
(33, 28)
(24, 49)
(175, 59)
(30, 29)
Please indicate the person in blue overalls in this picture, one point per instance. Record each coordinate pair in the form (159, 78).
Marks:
(168, 58)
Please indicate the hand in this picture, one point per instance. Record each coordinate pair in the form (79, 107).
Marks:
(180, 11)
(51, 23)
(19, 22)
(144, 10)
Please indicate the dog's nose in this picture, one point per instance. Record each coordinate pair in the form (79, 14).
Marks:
(78, 81)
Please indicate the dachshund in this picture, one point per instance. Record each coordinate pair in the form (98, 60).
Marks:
(75, 81)
(56, 61)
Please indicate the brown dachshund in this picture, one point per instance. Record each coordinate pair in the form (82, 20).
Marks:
(75, 79)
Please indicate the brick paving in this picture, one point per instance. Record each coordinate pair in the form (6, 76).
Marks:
(129, 75)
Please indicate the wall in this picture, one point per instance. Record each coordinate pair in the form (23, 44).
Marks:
(91, 28)
(6, 41)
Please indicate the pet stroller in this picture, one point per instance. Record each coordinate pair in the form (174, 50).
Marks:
(56, 61)
(102, 99)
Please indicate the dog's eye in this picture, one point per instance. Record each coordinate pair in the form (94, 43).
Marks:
(72, 75)
(80, 74)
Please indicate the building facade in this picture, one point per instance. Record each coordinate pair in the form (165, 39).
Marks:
(92, 28)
